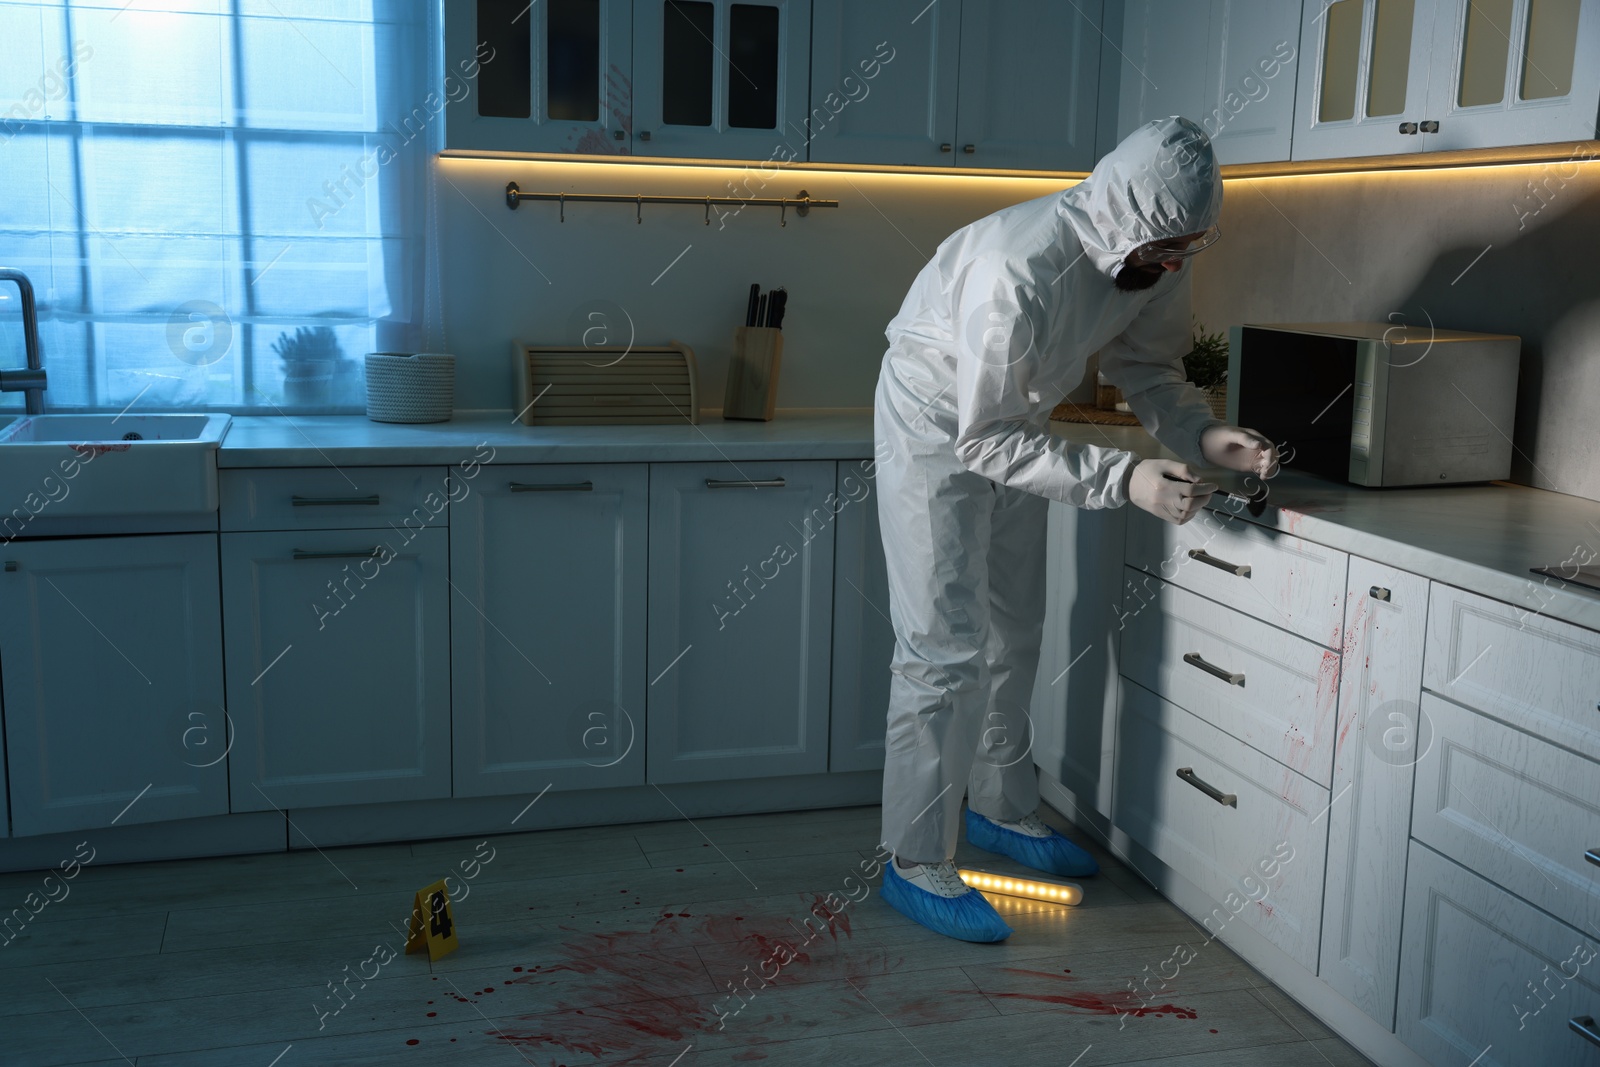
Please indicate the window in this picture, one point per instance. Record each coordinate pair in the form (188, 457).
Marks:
(220, 203)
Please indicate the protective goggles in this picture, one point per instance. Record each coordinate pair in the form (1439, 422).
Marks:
(1163, 251)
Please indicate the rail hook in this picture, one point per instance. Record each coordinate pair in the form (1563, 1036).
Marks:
(563, 207)
(639, 210)
(783, 209)
(708, 211)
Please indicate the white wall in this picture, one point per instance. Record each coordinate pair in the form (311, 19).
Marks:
(521, 274)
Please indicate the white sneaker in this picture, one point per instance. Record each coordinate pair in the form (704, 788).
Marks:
(1029, 824)
(939, 879)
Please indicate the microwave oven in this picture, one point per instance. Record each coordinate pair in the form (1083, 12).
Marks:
(1378, 404)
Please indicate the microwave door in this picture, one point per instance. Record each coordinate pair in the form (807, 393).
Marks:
(1298, 390)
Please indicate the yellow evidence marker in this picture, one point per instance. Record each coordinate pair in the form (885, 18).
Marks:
(432, 926)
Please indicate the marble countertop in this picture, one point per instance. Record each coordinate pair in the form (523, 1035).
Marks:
(1484, 538)
(356, 441)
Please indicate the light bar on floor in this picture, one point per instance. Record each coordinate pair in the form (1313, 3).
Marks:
(1032, 887)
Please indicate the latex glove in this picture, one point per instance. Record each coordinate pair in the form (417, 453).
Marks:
(1238, 449)
(1167, 489)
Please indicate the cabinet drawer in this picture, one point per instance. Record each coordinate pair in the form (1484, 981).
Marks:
(1487, 979)
(1283, 692)
(1540, 674)
(343, 498)
(1261, 857)
(1517, 810)
(1273, 576)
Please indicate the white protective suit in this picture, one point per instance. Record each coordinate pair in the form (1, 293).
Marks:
(995, 331)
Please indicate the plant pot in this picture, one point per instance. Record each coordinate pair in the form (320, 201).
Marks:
(1217, 397)
(308, 382)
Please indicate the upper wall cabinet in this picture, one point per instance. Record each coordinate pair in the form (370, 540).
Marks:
(713, 79)
(555, 76)
(883, 81)
(721, 80)
(1228, 65)
(1029, 74)
(1004, 84)
(1385, 76)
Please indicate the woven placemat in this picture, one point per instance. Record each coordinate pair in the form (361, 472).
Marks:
(1079, 413)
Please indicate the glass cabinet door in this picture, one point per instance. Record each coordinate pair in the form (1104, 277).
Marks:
(1512, 72)
(721, 79)
(1363, 77)
(554, 76)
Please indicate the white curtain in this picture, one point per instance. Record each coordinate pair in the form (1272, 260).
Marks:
(195, 185)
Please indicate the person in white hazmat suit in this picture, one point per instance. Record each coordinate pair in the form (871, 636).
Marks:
(994, 332)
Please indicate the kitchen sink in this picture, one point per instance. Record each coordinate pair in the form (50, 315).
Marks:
(100, 464)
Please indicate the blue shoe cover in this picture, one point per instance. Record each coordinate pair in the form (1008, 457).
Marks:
(968, 917)
(1053, 854)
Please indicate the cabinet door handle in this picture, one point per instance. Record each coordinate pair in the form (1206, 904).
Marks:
(553, 487)
(947, 147)
(1229, 800)
(1430, 126)
(644, 135)
(371, 553)
(1194, 659)
(1379, 593)
(1593, 856)
(332, 501)
(969, 149)
(1584, 1026)
(1408, 127)
(11, 565)
(759, 483)
(1241, 569)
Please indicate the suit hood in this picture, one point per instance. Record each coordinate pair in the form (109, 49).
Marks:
(1161, 182)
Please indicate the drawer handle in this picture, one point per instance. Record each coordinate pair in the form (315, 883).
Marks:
(1226, 799)
(332, 501)
(1241, 569)
(759, 483)
(371, 553)
(553, 487)
(1194, 659)
(1379, 593)
(1584, 1025)
(1593, 856)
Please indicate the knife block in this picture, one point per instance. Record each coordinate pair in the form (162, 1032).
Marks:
(752, 391)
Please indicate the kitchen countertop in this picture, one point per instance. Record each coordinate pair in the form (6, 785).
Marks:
(1483, 538)
(356, 441)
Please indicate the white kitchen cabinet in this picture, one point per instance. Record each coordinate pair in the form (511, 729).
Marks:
(554, 76)
(1074, 706)
(1517, 810)
(1488, 980)
(1363, 87)
(113, 681)
(863, 636)
(1511, 72)
(721, 79)
(1229, 65)
(547, 627)
(1538, 674)
(338, 666)
(883, 81)
(1247, 831)
(1380, 739)
(1029, 79)
(1272, 575)
(1422, 75)
(741, 584)
(1271, 689)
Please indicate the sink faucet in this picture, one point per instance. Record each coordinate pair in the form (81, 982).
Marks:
(30, 381)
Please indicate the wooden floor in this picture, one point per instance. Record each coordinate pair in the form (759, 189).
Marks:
(616, 945)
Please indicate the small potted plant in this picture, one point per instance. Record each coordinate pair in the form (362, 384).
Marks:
(309, 357)
(1207, 367)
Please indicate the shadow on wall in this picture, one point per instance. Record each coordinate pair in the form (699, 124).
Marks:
(1540, 285)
